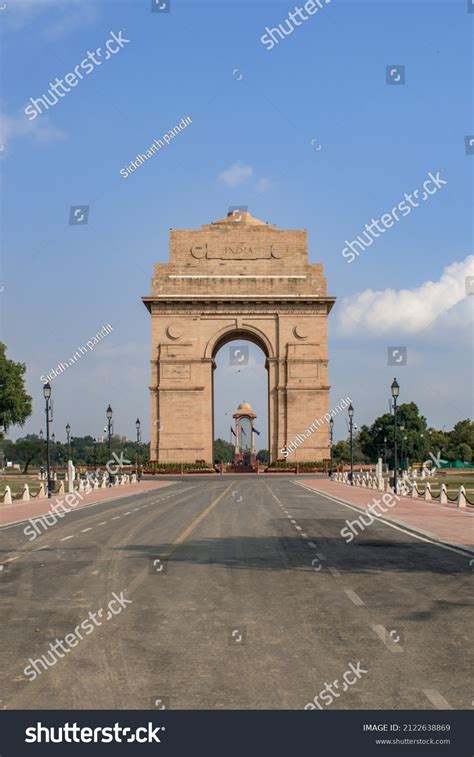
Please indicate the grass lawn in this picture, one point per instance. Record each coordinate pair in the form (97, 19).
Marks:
(17, 482)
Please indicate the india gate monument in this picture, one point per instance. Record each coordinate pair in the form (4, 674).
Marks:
(237, 278)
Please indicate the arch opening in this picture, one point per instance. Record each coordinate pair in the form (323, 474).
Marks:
(240, 390)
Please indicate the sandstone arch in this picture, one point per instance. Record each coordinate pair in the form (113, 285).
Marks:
(237, 278)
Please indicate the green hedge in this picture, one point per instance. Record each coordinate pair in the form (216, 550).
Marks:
(284, 465)
(157, 467)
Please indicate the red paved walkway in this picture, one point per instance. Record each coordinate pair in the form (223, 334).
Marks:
(443, 523)
(20, 511)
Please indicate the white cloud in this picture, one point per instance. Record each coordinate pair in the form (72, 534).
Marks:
(263, 184)
(407, 311)
(41, 130)
(69, 14)
(236, 174)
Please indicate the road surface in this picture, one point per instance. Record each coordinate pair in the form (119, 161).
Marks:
(231, 593)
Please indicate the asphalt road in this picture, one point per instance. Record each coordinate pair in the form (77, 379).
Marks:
(243, 595)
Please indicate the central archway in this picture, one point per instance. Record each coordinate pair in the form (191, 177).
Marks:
(240, 376)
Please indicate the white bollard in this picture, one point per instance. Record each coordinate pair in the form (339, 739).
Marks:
(81, 485)
(427, 496)
(104, 483)
(61, 489)
(462, 497)
(443, 495)
(7, 497)
(134, 478)
(26, 493)
(41, 493)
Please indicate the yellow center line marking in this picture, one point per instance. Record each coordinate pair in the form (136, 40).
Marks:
(182, 537)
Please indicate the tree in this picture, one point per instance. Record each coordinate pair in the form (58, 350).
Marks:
(15, 403)
(462, 433)
(30, 449)
(410, 424)
(223, 451)
(465, 453)
(263, 455)
(341, 452)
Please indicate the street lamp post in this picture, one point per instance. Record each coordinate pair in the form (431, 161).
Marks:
(2, 436)
(137, 424)
(350, 412)
(402, 429)
(68, 435)
(53, 451)
(47, 398)
(331, 431)
(395, 388)
(108, 414)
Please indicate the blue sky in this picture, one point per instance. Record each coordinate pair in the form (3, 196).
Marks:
(258, 117)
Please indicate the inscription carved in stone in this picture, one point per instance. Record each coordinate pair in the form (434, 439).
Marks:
(236, 251)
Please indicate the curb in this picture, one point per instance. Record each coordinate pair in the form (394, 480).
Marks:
(464, 548)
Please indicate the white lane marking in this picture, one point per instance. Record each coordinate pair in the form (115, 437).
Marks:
(94, 573)
(103, 523)
(436, 699)
(312, 544)
(383, 634)
(135, 509)
(10, 559)
(354, 597)
(273, 495)
(334, 572)
(116, 517)
(292, 520)
(320, 555)
(298, 528)
(84, 507)
(389, 523)
(38, 549)
(85, 529)
(129, 513)
(305, 536)
(65, 538)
